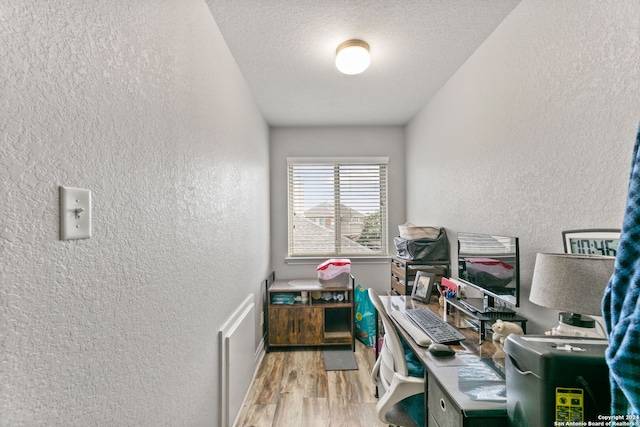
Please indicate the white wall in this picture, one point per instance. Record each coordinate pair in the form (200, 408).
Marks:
(142, 103)
(335, 141)
(534, 133)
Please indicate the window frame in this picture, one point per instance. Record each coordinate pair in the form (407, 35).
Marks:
(336, 163)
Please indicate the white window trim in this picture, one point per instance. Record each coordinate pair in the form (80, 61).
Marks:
(383, 160)
(368, 160)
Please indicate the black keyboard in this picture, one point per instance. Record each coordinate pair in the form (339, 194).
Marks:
(438, 330)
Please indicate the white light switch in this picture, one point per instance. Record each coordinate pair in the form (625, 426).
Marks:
(75, 213)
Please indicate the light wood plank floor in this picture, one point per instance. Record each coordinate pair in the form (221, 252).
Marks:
(292, 388)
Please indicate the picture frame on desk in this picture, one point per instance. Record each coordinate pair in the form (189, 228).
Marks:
(423, 286)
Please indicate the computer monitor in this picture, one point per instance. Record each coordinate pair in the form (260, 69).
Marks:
(490, 264)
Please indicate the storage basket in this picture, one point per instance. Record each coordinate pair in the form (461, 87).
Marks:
(409, 231)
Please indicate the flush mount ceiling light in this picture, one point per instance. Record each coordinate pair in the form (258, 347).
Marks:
(352, 57)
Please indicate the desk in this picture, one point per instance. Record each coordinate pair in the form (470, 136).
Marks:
(447, 403)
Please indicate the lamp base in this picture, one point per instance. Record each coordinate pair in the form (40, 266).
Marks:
(576, 325)
(577, 320)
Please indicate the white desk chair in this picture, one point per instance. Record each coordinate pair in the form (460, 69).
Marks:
(391, 374)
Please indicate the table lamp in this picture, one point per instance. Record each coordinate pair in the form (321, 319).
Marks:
(575, 284)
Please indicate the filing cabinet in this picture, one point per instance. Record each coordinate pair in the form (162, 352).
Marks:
(403, 273)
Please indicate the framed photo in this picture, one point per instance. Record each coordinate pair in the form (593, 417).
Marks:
(423, 286)
(603, 242)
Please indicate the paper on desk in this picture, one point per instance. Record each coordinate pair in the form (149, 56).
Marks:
(480, 379)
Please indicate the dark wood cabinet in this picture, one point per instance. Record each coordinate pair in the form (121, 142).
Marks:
(403, 273)
(293, 326)
(314, 313)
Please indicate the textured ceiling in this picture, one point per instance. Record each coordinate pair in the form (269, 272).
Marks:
(286, 49)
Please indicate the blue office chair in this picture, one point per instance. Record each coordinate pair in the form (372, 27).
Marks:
(391, 374)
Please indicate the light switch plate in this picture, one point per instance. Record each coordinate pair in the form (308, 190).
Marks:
(75, 213)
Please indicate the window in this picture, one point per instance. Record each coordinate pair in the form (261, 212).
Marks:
(337, 207)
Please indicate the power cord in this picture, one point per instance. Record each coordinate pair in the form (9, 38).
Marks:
(586, 387)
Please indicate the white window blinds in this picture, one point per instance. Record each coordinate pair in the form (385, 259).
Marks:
(337, 207)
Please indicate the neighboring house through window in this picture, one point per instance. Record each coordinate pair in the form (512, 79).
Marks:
(337, 207)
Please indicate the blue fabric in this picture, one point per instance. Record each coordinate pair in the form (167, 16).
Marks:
(414, 364)
(621, 307)
(414, 405)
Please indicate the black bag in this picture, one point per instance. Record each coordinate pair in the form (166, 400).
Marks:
(423, 249)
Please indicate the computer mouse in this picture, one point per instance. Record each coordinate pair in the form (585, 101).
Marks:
(441, 350)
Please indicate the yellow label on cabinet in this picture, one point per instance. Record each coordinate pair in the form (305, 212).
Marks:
(569, 404)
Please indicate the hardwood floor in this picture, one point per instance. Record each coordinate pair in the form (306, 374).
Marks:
(292, 388)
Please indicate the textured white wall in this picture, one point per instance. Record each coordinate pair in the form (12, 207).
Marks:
(335, 141)
(142, 103)
(534, 134)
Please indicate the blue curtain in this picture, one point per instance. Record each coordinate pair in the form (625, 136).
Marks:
(621, 307)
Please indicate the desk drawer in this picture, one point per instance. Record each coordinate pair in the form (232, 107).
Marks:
(398, 270)
(409, 273)
(399, 287)
(440, 407)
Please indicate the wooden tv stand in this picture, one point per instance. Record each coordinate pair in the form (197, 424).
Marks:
(318, 322)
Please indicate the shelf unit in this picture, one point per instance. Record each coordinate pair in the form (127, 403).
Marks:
(403, 273)
(483, 320)
(326, 318)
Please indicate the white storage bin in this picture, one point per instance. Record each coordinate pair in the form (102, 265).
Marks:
(332, 268)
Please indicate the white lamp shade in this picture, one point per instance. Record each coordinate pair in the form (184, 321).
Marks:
(352, 57)
(573, 283)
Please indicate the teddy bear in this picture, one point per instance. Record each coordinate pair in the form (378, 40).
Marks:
(501, 330)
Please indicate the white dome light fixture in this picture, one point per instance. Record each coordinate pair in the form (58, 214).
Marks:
(352, 57)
